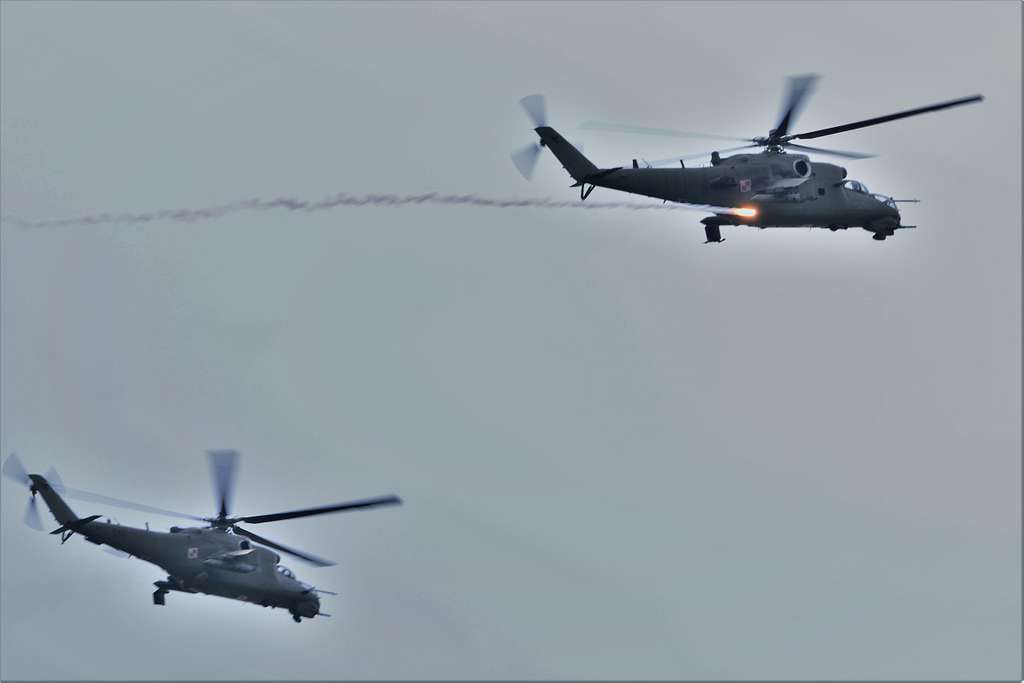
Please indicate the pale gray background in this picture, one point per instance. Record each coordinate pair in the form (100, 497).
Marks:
(624, 454)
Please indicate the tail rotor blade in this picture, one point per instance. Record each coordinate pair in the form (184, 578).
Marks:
(55, 481)
(536, 108)
(526, 158)
(223, 464)
(32, 515)
(14, 469)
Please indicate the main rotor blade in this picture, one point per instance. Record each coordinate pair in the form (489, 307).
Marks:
(888, 117)
(833, 152)
(676, 160)
(323, 510)
(78, 494)
(223, 464)
(796, 95)
(312, 559)
(644, 130)
(13, 469)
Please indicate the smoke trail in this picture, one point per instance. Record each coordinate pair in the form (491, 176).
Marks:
(343, 199)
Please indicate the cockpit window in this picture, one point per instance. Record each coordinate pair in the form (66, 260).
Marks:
(855, 186)
(888, 201)
(284, 571)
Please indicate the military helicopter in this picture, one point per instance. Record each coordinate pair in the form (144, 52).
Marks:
(769, 189)
(217, 559)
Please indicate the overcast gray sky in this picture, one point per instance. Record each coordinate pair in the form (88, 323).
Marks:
(623, 453)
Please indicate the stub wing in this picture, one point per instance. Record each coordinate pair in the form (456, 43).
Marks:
(240, 561)
(233, 555)
(777, 189)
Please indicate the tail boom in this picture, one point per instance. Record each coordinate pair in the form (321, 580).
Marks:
(578, 166)
(61, 512)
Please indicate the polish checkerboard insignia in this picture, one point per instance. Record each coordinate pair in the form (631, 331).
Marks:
(745, 185)
(193, 553)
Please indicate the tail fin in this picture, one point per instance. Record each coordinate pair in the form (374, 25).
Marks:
(61, 512)
(572, 159)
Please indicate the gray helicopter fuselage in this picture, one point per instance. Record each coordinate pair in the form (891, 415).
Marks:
(819, 200)
(197, 560)
(778, 189)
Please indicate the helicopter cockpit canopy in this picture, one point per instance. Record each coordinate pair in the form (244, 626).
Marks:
(857, 186)
(885, 199)
(284, 571)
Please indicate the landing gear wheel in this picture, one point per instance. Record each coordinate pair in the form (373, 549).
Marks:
(879, 236)
(158, 597)
(296, 618)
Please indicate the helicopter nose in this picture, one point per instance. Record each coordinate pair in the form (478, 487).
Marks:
(889, 210)
(308, 606)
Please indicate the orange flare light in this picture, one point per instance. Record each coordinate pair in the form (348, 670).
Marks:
(746, 212)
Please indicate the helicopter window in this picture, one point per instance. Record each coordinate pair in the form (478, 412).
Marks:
(284, 571)
(244, 545)
(888, 201)
(821, 190)
(855, 186)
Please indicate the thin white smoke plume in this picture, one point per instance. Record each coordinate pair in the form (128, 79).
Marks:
(343, 199)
